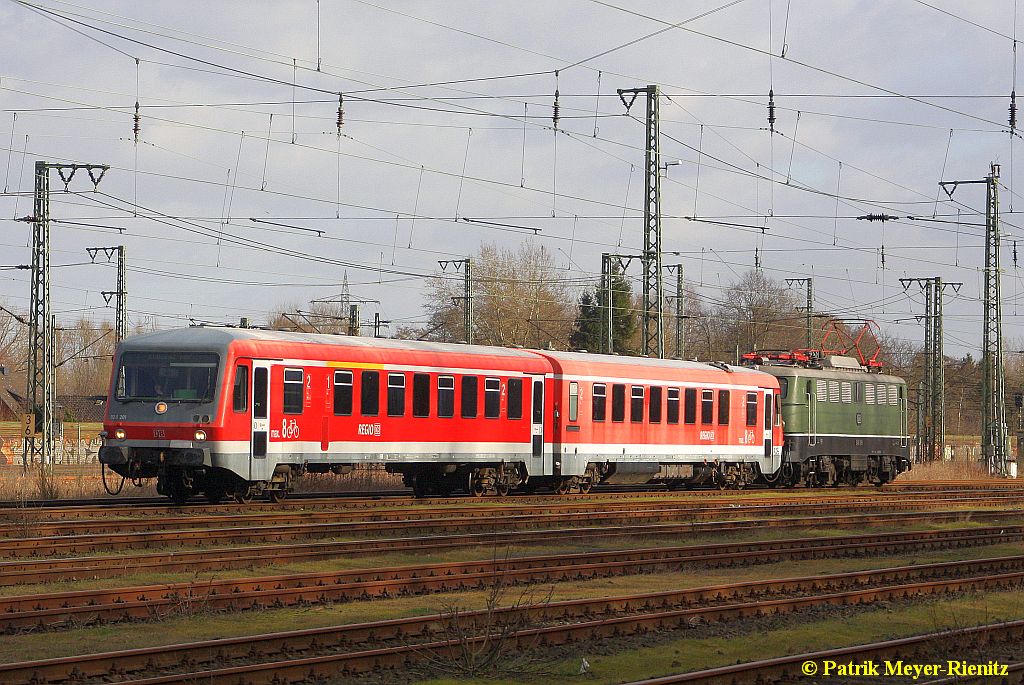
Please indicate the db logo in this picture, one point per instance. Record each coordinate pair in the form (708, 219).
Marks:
(159, 433)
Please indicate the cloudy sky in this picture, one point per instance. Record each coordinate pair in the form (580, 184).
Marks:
(240, 196)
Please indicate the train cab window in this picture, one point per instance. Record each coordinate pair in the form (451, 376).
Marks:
(690, 408)
(636, 404)
(292, 391)
(396, 394)
(599, 401)
(343, 393)
(514, 405)
(240, 393)
(723, 407)
(752, 409)
(492, 398)
(654, 408)
(618, 402)
(783, 387)
(673, 405)
(707, 406)
(574, 401)
(470, 385)
(421, 395)
(446, 396)
(369, 393)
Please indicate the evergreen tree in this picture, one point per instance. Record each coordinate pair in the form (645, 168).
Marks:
(590, 329)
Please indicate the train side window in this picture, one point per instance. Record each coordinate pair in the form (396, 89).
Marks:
(707, 406)
(343, 393)
(600, 401)
(783, 387)
(574, 401)
(768, 410)
(636, 404)
(421, 395)
(673, 405)
(751, 408)
(259, 393)
(446, 396)
(292, 391)
(369, 393)
(396, 394)
(492, 398)
(514, 404)
(618, 402)
(469, 400)
(240, 393)
(690, 410)
(538, 401)
(723, 407)
(654, 408)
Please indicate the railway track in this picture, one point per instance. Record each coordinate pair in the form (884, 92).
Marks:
(699, 510)
(76, 568)
(485, 521)
(51, 610)
(126, 506)
(349, 650)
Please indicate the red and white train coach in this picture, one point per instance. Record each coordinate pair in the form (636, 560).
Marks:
(227, 411)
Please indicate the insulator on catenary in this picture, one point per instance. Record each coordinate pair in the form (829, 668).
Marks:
(554, 111)
(877, 217)
(1013, 110)
(771, 110)
(137, 119)
(341, 112)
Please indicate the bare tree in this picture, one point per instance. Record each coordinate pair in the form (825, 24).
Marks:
(520, 299)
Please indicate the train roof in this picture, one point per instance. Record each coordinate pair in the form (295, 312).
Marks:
(219, 338)
(840, 374)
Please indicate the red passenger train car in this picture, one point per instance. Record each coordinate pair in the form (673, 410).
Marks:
(239, 412)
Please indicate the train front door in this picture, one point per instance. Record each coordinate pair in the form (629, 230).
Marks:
(260, 416)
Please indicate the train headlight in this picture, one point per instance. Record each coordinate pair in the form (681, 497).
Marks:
(200, 435)
(119, 434)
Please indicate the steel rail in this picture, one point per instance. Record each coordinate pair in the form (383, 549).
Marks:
(155, 601)
(27, 571)
(628, 614)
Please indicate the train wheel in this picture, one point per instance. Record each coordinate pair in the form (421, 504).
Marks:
(563, 487)
(502, 489)
(478, 488)
(243, 496)
(277, 496)
(585, 487)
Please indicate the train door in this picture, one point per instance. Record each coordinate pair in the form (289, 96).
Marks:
(260, 415)
(537, 427)
(812, 414)
(769, 423)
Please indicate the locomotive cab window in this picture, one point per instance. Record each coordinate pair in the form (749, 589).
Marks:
(396, 394)
(574, 401)
(292, 391)
(654, 408)
(636, 404)
(343, 393)
(421, 395)
(240, 392)
(514, 407)
(707, 406)
(469, 392)
(783, 387)
(599, 401)
(618, 403)
(492, 398)
(751, 408)
(446, 396)
(690, 410)
(673, 405)
(369, 393)
(723, 407)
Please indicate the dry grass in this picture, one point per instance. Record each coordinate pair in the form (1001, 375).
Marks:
(947, 470)
(60, 482)
(363, 478)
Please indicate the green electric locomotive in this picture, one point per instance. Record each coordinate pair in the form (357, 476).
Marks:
(843, 424)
